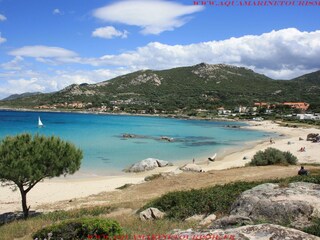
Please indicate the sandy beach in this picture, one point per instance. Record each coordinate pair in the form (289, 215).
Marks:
(68, 189)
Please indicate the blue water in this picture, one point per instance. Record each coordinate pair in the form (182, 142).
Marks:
(106, 152)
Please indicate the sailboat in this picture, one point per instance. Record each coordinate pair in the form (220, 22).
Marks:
(40, 124)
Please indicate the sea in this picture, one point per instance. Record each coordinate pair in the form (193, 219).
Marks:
(107, 152)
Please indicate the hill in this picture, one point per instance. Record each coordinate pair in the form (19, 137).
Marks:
(202, 86)
(22, 95)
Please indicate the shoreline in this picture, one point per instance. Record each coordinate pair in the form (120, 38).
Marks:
(61, 189)
(183, 117)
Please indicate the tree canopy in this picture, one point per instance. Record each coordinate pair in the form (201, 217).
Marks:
(25, 160)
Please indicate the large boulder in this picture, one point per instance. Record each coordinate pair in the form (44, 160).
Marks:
(151, 214)
(249, 232)
(208, 219)
(294, 205)
(312, 136)
(147, 164)
(195, 218)
(191, 167)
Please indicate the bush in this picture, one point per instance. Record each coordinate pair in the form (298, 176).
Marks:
(273, 156)
(79, 229)
(314, 228)
(183, 204)
(217, 199)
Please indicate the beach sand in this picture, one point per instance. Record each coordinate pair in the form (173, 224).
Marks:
(51, 191)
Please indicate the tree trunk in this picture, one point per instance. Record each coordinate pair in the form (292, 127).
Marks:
(24, 202)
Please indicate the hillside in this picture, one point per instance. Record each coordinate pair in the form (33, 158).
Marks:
(23, 95)
(202, 86)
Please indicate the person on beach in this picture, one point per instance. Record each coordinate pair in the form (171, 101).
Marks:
(271, 141)
(303, 172)
(193, 161)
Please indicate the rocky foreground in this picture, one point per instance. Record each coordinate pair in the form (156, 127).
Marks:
(293, 206)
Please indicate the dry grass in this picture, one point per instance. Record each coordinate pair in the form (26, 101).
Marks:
(121, 205)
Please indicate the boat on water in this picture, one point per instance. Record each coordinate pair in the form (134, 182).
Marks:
(40, 124)
(212, 158)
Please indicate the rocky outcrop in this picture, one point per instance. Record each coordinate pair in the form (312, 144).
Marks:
(312, 136)
(249, 232)
(151, 214)
(191, 167)
(296, 204)
(147, 164)
(195, 218)
(231, 221)
(207, 220)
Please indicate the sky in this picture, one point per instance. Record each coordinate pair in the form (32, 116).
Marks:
(46, 45)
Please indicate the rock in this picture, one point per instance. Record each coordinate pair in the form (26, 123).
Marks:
(231, 221)
(128, 135)
(295, 204)
(209, 219)
(197, 217)
(162, 163)
(151, 214)
(250, 232)
(191, 167)
(312, 136)
(147, 164)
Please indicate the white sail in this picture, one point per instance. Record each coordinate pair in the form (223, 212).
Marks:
(40, 124)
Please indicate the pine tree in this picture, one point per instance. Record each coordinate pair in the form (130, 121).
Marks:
(25, 160)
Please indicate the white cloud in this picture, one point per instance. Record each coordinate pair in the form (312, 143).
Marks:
(153, 16)
(2, 39)
(57, 11)
(109, 32)
(2, 18)
(14, 64)
(280, 54)
(25, 80)
(25, 85)
(43, 52)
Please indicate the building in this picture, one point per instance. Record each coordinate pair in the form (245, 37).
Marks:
(222, 111)
(297, 105)
(262, 105)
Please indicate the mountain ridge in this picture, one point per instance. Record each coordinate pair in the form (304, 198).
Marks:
(205, 86)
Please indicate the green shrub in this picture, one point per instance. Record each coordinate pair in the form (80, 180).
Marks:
(79, 229)
(183, 204)
(272, 156)
(217, 199)
(314, 228)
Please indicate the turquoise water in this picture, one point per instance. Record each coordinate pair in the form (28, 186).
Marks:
(106, 152)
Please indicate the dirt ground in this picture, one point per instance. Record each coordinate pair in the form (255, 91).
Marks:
(135, 196)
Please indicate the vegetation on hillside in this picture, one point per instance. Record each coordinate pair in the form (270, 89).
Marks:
(202, 86)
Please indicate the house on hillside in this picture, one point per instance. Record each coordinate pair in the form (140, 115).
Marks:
(297, 105)
(262, 105)
(222, 111)
(308, 117)
(241, 109)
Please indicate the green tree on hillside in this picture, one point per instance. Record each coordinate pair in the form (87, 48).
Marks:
(25, 160)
